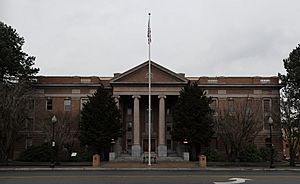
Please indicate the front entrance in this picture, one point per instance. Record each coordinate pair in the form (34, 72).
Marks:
(145, 145)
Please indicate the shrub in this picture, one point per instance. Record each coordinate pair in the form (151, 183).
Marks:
(213, 155)
(40, 153)
(266, 154)
(250, 154)
(83, 155)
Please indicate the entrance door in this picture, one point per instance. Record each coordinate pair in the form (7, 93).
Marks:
(145, 145)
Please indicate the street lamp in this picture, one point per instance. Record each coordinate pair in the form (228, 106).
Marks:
(185, 142)
(112, 142)
(270, 121)
(53, 120)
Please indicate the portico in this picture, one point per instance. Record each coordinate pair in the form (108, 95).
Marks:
(131, 91)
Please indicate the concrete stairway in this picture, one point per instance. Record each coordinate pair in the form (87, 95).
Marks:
(128, 158)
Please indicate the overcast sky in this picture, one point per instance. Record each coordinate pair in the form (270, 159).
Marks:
(195, 37)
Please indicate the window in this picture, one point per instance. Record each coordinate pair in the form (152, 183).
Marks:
(49, 104)
(268, 142)
(169, 144)
(267, 106)
(213, 105)
(129, 126)
(249, 106)
(168, 111)
(129, 144)
(266, 110)
(129, 111)
(169, 127)
(67, 104)
(83, 101)
(230, 105)
(129, 118)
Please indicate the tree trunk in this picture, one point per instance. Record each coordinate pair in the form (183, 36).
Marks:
(292, 157)
(193, 152)
(228, 153)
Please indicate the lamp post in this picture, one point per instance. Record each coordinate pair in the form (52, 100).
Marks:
(270, 121)
(112, 142)
(112, 154)
(185, 142)
(53, 120)
(186, 154)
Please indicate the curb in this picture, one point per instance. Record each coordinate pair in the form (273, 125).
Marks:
(142, 169)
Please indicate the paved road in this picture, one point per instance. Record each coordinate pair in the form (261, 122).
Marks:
(147, 177)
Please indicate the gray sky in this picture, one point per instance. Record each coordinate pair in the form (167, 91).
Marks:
(196, 37)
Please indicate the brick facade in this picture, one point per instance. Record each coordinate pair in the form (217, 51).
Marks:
(65, 96)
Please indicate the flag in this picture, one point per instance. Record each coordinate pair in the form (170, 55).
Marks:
(149, 31)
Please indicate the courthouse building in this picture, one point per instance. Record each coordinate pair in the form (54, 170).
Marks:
(57, 94)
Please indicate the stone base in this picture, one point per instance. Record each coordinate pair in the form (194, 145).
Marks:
(112, 156)
(136, 151)
(186, 156)
(162, 150)
(96, 160)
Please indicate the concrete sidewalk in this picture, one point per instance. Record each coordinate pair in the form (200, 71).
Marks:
(153, 165)
(131, 166)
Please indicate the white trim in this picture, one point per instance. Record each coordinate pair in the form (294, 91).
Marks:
(81, 102)
(243, 96)
(64, 95)
(75, 91)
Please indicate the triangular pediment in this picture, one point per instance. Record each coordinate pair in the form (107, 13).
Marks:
(139, 75)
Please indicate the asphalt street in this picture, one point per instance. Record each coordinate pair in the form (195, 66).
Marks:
(149, 177)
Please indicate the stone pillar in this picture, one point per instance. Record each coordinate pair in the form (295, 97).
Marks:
(162, 148)
(117, 101)
(117, 147)
(136, 147)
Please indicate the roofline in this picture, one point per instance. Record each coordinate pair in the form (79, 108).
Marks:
(143, 64)
(187, 77)
(67, 85)
(241, 85)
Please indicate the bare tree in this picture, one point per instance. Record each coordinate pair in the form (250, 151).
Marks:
(237, 126)
(290, 122)
(15, 99)
(65, 131)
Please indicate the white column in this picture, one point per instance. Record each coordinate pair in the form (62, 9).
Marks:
(117, 147)
(117, 101)
(136, 148)
(162, 148)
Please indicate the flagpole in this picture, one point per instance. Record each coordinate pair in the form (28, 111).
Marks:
(149, 82)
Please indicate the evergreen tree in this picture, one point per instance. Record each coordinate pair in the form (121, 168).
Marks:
(193, 120)
(14, 63)
(16, 72)
(290, 102)
(292, 67)
(100, 122)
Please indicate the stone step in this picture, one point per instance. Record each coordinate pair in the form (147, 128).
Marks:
(129, 158)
